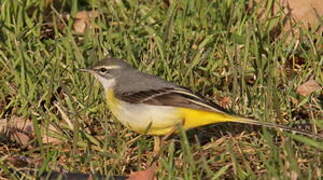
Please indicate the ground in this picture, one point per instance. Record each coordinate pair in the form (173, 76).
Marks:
(223, 50)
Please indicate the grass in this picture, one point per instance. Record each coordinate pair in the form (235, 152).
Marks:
(217, 48)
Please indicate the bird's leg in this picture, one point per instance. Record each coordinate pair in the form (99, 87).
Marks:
(157, 144)
(156, 151)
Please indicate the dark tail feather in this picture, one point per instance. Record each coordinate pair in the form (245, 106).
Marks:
(277, 126)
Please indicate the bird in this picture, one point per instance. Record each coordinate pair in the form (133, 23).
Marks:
(148, 104)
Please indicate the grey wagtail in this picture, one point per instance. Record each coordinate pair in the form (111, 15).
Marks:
(150, 105)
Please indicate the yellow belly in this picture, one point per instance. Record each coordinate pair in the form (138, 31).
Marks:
(160, 120)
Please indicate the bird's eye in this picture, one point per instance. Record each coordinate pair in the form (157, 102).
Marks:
(103, 70)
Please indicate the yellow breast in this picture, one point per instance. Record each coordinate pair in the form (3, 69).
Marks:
(112, 101)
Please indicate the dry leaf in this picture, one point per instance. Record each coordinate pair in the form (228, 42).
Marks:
(18, 129)
(308, 87)
(225, 102)
(21, 130)
(49, 135)
(83, 21)
(21, 137)
(307, 13)
(148, 174)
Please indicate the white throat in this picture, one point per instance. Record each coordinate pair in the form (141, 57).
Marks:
(106, 83)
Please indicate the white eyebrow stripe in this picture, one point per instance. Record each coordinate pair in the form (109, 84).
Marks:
(109, 67)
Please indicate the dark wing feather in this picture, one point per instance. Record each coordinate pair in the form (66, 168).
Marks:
(178, 97)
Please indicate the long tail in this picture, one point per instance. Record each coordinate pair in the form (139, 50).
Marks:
(272, 125)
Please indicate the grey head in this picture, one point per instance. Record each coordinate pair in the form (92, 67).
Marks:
(118, 75)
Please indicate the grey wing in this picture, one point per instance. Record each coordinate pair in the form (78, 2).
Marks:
(178, 97)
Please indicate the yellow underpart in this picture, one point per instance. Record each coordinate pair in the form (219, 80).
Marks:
(187, 118)
(195, 118)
